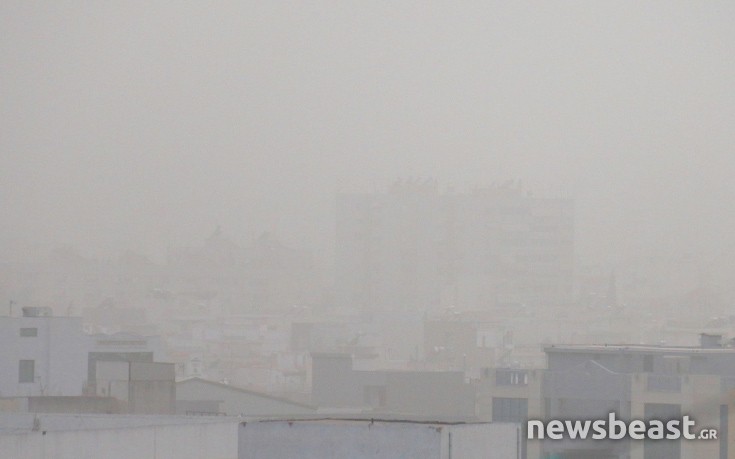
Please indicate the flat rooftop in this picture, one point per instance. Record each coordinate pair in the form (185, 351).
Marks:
(14, 423)
(638, 348)
(382, 419)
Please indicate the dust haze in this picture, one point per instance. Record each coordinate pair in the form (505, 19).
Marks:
(202, 160)
(136, 126)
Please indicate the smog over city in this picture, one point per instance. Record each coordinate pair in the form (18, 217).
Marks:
(366, 229)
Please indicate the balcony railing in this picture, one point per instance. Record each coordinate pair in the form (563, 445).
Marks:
(508, 377)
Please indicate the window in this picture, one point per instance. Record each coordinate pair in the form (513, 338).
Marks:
(26, 371)
(510, 409)
(505, 377)
(28, 332)
(648, 364)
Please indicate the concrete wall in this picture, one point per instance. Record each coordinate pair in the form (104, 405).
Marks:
(60, 404)
(483, 441)
(700, 397)
(52, 404)
(336, 384)
(142, 387)
(621, 359)
(429, 393)
(335, 439)
(212, 440)
(233, 401)
(127, 343)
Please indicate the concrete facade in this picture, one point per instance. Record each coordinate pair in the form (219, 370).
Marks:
(60, 404)
(500, 390)
(363, 439)
(55, 436)
(42, 355)
(635, 382)
(122, 347)
(141, 387)
(335, 384)
(116, 437)
(640, 382)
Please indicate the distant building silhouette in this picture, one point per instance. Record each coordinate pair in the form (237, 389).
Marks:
(414, 247)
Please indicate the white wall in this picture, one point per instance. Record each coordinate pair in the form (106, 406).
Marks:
(59, 351)
(483, 441)
(338, 440)
(379, 440)
(184, 441)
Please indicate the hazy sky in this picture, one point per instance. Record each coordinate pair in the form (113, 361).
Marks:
(145, 124)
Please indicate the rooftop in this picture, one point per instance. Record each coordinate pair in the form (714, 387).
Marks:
(244, 391)
(377, 419)
(637, 348)
(26, 422)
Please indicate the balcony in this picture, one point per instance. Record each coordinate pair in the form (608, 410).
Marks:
(509, 377)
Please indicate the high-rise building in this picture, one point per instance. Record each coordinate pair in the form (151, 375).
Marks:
(414, 247)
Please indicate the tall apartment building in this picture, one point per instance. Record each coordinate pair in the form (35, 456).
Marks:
(414, 247)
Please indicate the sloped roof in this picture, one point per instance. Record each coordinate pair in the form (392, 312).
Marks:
(245, 391)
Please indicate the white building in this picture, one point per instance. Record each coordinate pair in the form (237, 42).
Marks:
(45, 355)
(368, 439)
(42, 355)
(63, 436)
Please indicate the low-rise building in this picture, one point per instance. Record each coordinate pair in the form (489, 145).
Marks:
(66, 436)
(377, 439)
(633, 381)
(140, 387)
(337, 385)
(42, 355)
